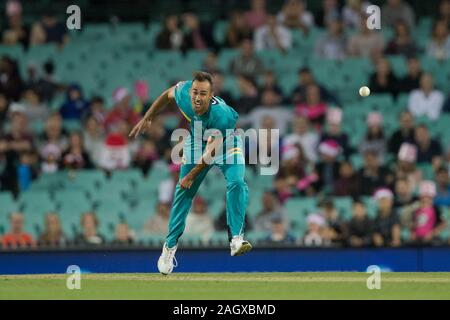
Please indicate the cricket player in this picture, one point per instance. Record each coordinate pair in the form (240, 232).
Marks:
(204, 111)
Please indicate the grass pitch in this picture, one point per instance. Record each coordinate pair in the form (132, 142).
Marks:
(272, 286)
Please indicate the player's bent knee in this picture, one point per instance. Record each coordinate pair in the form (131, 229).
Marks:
(237, 184)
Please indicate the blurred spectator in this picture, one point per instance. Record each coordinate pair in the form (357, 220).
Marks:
(352, 13)
(444, 12)
(334, 131)
(54, 133)
(50, 158)
(49, 30)
(197, 35)
(404, 134)
(123, 235)
(279, 233)
(302, 135)
(439, 44)
(306, 78)
(270, 82)
(426, 101)
(314, 234)
(383, 80)
(27, 169)
(373, 175)
(158, 222)
(115, 153)
(89, 234)
(18, 139)
(17, 236)
(16, 31)
(171, 35)
(313, 108)
(46, 85)
(145, 156)
(329, 12)
(366, 43)
(53, 234)
(76, 157)
(97, 109)
(220, 91)
(295, 16)
(199, 220)
(397, 10)
(406, 168)
(403, 194)
(271, 209)
(75, 105)
(249, 96)
(257, 15)
(36, 111)
(142, 103)
(10, 80)
(221, 223)
(411, 80)
(238, 31)
(333, 44)
(4, 107)
(442, 188)
(167, 187)
(374, 139)
(273, 35)
(210, 64)
(386, 226)
(347, 182)
(93, 137)
(402, 43)
(359, 227)
(428, 150)
(121, 111)
(294, 167)
(327, 169)
(334, 229)
(247, 62)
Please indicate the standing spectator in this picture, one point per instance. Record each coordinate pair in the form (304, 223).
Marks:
(257, 15)
(439, 44)
(374, 138)
(373, 175)
(383, 80)
(123, 236)
(402, 43)
(426, 101)
(197, 35)
(314, 234)
(171, 35)
(199, 221)
(347, 182)
(386, 225)
(273, 35)
(313, 108)
(397, 10)
(306, 138)
(247, 63)
(279, 233)
(75, 105)
(406, 133)
(295, 16)
(121, 111)
(411, 80)
(17, 236)
(428, 150)
(366, 43)
(359, 227)
(53, 234)
(333, 44)
(89, 234)
(76, 157)
(238, 31)
(271, 209)
(443, 188)
(352, 13)
(158, 222)
(329, 12)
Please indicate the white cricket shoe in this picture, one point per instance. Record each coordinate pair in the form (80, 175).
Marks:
(239, 246)
(167, 261)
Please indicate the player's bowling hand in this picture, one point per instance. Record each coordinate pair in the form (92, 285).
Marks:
(140, 128)
(186, 182)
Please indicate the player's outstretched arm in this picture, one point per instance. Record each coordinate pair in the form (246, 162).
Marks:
(164, 99)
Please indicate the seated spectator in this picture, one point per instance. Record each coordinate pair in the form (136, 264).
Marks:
(327, 169)
(219, 90)
(402, 43)
(47, 85)
(397, 10)
(386, 226)
(333, 44)
(121, 110)
(412, 79)
(50, 158)
(334, 131)
(406, 133)
(145, 156)
(404, 195)
(171, 36)
(75, 105)
(16, 31)
(351, 13)
(313, 108)
(314, 235)
(123, 236)
(444, 12)
(305, 79)
(426, 101)
(53, 234)
(273, 36)
(17, 237)
(279, 233)
(334, 229)
(271, 209)
(329, 12)
(198, 35)
(54, 133)
(249, 96)
(374, 139)
(93, 137)
(295, 16)
(429, 150)
(439, 44)
(89, 230)
(373, 175)
(18, 138)
(443, 188)
(210, 65)
(383, 80)
(76, 157)
(347, 182)
(199, 220)
(158, 222)
(270, 82)
(304, 136)
(406, 168)
(97, 109)
(116, 151)
(366, 43)
(257, 15)
(49, 30)
(247, 63)
(36, 111)
(359, 228)
(238, 31)
(294, 166)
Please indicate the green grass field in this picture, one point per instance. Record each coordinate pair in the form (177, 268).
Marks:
(330, 285)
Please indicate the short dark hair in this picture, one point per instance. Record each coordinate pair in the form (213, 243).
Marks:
(203, 76)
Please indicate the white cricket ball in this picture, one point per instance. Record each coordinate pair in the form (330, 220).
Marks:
(364, 91)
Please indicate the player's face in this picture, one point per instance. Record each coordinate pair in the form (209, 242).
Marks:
(201, 95)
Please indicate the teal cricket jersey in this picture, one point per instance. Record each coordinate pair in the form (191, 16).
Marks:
(219, 116)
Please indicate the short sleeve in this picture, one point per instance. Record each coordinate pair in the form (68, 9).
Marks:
(182, 98)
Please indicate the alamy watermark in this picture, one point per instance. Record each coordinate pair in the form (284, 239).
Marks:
(73, 22)
(374, 17)
(74, 279)
(374, 280)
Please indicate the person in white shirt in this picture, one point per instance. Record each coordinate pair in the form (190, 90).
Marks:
(301, 134)
(294, 15)
(351, 13)
(273, 35)
(426, 101)
(439, 45)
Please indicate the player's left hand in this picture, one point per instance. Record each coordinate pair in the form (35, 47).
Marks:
(186, 182)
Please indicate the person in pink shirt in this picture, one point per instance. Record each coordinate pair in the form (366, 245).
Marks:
(257, 15)
(313, 108)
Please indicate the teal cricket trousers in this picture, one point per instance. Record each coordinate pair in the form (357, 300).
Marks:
(236, 200)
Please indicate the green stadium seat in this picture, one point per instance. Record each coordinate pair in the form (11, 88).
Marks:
(129, 176)
(301, 207)
(344, 206)
(37, 201)
(219, 239)
(155, 240)
(69, 197)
